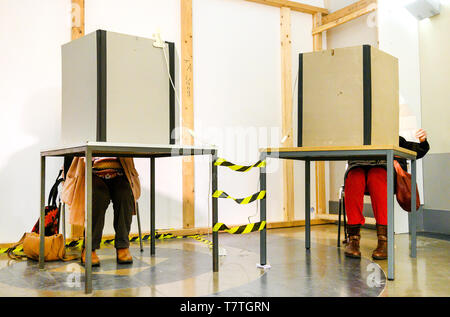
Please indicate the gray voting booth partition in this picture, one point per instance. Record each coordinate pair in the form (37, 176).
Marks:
(116, 88)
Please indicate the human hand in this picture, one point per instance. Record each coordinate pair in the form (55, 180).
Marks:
(421, 134)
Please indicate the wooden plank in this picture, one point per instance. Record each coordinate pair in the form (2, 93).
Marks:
(340, 148)
(319, 167)
(77, 19)
(356, 14)
(334, 218)
(77, 232)
(287, 108)
(295, 6)
(187, 112)
(347, 10)
(317, 38)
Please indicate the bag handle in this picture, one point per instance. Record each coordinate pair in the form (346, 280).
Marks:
(10, 250)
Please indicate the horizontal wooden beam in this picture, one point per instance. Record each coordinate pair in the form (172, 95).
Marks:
(334, 218)
(355, 14)
(333, 16)
(295, 6)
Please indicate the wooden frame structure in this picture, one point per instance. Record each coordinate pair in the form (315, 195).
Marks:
(322, 21)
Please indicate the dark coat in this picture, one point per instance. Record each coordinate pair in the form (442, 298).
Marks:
(420, 148)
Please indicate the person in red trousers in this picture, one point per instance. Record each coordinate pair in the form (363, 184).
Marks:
(371, 177)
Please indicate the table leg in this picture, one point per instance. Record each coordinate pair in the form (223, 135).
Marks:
(390, 214)
(413, 214)
(63, 217)
(152, 206)
(263, 213)
(138, 216)
(215, 216)
(307, 204)
(42, 217)
(88, 230)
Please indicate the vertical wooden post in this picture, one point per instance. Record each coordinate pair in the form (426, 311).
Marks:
(77, 17)
(319, 166)
(286, 93)
(187, 113)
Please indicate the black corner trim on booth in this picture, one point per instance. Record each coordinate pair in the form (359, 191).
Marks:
(367, 94)
(101, 85)
(171, 47)
(300, 101)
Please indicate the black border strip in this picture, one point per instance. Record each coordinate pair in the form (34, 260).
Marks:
(300, 101)
(171, 47)
(367, 92)
(101, 85)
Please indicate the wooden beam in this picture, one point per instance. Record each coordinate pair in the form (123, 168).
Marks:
(77, 19)
(317, 38)
(77, 16)
(353, 15)
(333, 218)
(187, 113)
(319, 166)
(286, 112)
(295, 6)
(347, 10)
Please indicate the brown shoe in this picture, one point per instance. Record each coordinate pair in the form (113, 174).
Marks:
(124, 256)
(380, 253)
(352, 247)
(95, 259)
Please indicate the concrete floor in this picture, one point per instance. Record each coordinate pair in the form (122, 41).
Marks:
(182, 267)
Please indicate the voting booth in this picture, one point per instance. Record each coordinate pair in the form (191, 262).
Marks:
(116, 88)
(348, 97)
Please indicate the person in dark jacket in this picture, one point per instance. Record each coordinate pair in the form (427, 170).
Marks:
(371, 177)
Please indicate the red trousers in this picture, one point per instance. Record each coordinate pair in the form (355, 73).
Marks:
(372, 180)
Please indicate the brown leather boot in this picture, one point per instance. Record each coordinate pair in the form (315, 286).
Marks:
(352, 246)
(95, 259)
(124, 256)
(380, 253)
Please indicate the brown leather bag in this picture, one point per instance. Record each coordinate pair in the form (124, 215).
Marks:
(403, 188)
(54, 248)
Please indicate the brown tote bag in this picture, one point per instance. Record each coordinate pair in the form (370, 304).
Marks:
(403, 188)
(54, 248)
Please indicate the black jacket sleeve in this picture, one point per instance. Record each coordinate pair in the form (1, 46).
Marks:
(420, 148)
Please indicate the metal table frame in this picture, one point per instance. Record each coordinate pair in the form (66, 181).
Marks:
(344, 154)
(92, 149)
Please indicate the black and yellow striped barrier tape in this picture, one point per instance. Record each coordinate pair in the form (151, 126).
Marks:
(159, 236)
(238, 168)
(251, 227)
(241, 201)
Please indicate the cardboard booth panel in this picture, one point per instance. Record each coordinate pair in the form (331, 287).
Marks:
(116, 88)
(348, 97)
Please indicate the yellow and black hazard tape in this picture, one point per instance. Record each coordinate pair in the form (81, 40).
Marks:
(159, 236)
(238, 168)
(201, 239)
(241, 201)
(251, 227)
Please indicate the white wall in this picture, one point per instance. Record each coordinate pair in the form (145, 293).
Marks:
(393, 30)
(398, 33)
(30, 103)
(237, 84)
